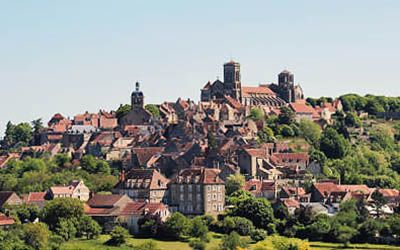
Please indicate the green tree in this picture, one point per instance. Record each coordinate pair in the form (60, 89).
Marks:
(234, 182)
(197, 244)
(379, 202)
(36, 235)
(88, 227)
(177, 226)
(123, 110)
(352, 120)
(311, 132)
(231, 242)
(286, 116)
(153, 109)
(118, 236)
(266, 135)
(18, 134)
(256, 114)
(286, 130)
(147, 245)
(37, 125)
(61, 208)
(199, 229)
(333, 144)
(344, 234)
(66, 228)
(382, 137)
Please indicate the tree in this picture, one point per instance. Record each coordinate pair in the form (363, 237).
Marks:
(153, 109)
(197, 244)
(286, 131)
(266, 135)
(118, 236)
(123, 110)
(147, 245)
(333, 144)
(287, 116)
(369, 230)
(37, 125)
(89, 227)
(66, 228)
(36, 235)
(234, 183)
(310, 131)
(344, 234)
(379, 201)
(258, 235)
(257, 210)
(382, 137)
(177, 226)
(256, 114)
(21, 133)
(231, 242)
(352, 120)
(199, 229)
(61, 208)
(62, 160)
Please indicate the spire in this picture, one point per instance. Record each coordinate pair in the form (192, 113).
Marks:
(137, 86)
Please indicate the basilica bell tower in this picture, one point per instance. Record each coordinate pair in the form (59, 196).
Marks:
(137, 97)
(233, 86)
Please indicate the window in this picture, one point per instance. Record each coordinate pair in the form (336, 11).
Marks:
(214, 188)
(190, 188)
(198, 188)
(181, 197)
(214, 197)
(219, 197)
(181, 187)
(208, 188)
(214, 207)
(208, 197)
(189, 197)
(198, 197)
(219, 188)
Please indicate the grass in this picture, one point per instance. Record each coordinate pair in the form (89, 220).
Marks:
(98, 244)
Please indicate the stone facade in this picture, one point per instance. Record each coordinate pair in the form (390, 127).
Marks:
(197, 191)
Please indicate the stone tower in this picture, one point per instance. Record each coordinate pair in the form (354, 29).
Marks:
(286, 85)
(233, 86)
(137, 97)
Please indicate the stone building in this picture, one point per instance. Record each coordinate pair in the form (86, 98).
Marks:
(138, 114)
(143, 185)
(196, 191)
(76, 189)
(286, 88)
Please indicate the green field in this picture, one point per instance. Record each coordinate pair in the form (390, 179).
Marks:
(98, 244)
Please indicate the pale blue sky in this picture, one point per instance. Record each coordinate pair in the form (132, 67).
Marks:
(72, 56)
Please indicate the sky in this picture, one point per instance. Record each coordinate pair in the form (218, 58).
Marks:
(74, 56)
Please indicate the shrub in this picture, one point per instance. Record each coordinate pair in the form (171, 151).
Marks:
(118, 236)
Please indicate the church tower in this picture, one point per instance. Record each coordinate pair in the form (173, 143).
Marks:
(233, 86)
(137, 97)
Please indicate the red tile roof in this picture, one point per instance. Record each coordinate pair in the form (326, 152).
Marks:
(291, 203)
(249, 91)
(104, 200)
(140, 208)
(143, 179)
(300, 107)
(35, 197)
(389, 192)
(6, 221)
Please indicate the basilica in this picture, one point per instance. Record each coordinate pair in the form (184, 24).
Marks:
(269, 95)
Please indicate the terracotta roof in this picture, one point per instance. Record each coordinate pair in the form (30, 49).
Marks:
(355, 188)
(144, 154)
(325, 188)
(140, 208)
(249, 91)
(201, 175)
(300, 107)
(5, 221)
(291, 203)
(294, 190)
(35, 197)
(389, 192)
(255, 186)
(257, 152)
(233, 102)
(281, 158)
(104, 200)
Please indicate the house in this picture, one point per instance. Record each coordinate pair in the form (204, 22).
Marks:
(76, 189)
(392, 196)
(254, 162)
(142, 156)
(261, 188)
(290, 204)
(5, 221)
(59, 123)
(303, 111)
(197, 191)
(143, 185)
(36, 198)
(9, 198)
(106, 209)
(296, 193)
(134, 211)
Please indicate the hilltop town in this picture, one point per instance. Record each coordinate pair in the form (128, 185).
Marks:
(255, 160)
